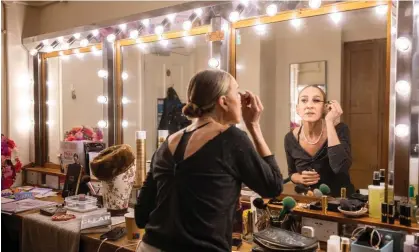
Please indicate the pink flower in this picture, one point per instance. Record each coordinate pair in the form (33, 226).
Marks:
(79, 136)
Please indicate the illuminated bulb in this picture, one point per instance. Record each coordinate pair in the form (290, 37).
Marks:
(296, 22)
(381, 9)
(314, 4)
(102, 124)
(171, 17)
(124, 100)
(60, 39)
(124, 123)
(159, 30)
(199, 12)
(402, 130)
(187, 25)
(145, 22)
(271, 10)
(111, 38)
(213, 62)
(102, 99)
(95, 32)
(164, 42)
(45, 42)
(76, 35)
(124, 75)
(33, 52)
(403, 87)
(65, 46)
(403, 44)
(49, 49)
(260, 28)
(84, 42)
(133, 34)
(123, 26)
(336, 17)
(245, 2)
(102, 73)
(234, 16)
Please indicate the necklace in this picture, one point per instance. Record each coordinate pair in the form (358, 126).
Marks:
(318, 139)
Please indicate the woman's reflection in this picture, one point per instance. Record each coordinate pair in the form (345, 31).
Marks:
(319, 151)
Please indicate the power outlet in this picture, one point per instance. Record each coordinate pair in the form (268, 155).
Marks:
(322, 229)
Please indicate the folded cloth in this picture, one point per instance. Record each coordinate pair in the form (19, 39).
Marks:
(351, 205)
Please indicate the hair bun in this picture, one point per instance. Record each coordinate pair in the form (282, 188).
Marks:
(191, 110)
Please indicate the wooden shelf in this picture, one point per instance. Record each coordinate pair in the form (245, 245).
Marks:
(45, 170)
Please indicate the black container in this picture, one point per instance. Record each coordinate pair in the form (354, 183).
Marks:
(384, 212)
(391, 213)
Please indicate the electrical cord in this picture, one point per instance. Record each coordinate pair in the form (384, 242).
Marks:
(132, 243)
(101, 244)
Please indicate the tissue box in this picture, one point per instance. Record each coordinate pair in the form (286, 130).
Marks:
(359, 248)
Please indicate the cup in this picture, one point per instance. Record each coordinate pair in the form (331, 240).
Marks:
(133, 232)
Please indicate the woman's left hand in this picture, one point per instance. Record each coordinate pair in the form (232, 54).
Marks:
(334, 113)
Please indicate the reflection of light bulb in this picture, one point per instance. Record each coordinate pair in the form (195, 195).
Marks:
(50, 123)
(76, 35)
(164, 42)
(102, 73)
(95, 32)
(234, 16)
(142, 46)
(381, 9)
(260, 28)
(403, 44)
(124, 100)
(48, 49)
(111, 38)
(124, 75)
(133, 34)
(188, 39)
(336, 17)
(145, 22)
(213, 62)
(296, 22)
(393, 30)
(102, 124)
(403, 87)
(171, 17)
(60, 39)
(123, 26)
(402, 130)
(61, 53)
(187, 25)
(159, 29)
(84, 42)
(124, 123)
(102, 99)
(314, 4)
(33, 52)
(271, 10)
(198, 12)
(45, 42)
(65, 46)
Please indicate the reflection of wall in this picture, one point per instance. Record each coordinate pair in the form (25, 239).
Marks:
(317, 39)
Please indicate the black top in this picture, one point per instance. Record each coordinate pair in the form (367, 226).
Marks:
(188, 205)
(332, 163)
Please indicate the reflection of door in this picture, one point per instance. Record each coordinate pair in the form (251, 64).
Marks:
(363, 92)
(157, 80)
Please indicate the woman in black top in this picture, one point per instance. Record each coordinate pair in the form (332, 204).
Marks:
(188, 199)
(319, 151)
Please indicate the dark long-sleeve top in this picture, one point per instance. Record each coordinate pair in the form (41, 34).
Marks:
(189, 206)
(332, 163)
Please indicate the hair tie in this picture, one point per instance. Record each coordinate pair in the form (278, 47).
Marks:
(194, 106)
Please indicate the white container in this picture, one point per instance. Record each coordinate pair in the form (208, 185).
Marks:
(73, 203)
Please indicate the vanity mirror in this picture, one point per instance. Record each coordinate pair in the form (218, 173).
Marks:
(344, 55)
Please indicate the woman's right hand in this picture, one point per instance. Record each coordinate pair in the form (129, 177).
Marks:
(306, 178)
(251, 108)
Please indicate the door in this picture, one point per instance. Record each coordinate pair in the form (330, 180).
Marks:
(363, 93)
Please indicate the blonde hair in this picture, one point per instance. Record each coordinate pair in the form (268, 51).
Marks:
(204, 90)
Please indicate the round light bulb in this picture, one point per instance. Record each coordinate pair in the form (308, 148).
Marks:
(199, 12)
(45, 42)
(213, 62)
(271, 10)
(159, 29)
(171, 17)
(403, 87)
(60, 39)
(111, 38)
(314, 4)
(123, 26)
(49, 49)
(102, 73)
(187, 25)
(124, 100)
(95, 32)
(33, 52)
(124, 123)
(133, 34)
(124, 75)
(234, 16)
(145, 22)
(381, 9)
(401, 130)
(102, 124)
(65, 46)
(76, 35)
(403, 44)
(102, 99)
(84, 42)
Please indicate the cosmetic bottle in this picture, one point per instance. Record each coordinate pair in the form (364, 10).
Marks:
(390, 187)
(375, 196)
(382, 177)
(408, 244)
(402, 217)
(333, 245)
(408, 216)
(391, 215)
(384, 214)
(345, 245)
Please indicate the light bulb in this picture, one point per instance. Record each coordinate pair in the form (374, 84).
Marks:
(76, 35)
(60, 39)
(93, 49)
(124, 100)
(45, 42)
(199, 12)
(336, 17)
(102, 124)
(159, 29)
(234, 16)
(296, 22)
(314, 4)
(164, 42)
(48, 49)
(133, 34)
(124, 123)
(401, 130)
(65, 46)
(187, 25)
(84, 42)
(102, 99)
(403, 44)
(171, 17)
(111, 38)
(33, 52)
(95, 32)
(123, 26)
(124, 75)
(403, 87)
(213, 62)
(381, 9)
(102, 73)
(271, 10)
(145, 22)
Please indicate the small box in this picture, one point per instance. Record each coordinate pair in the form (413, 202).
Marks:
(75, 204)
(359, 248)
